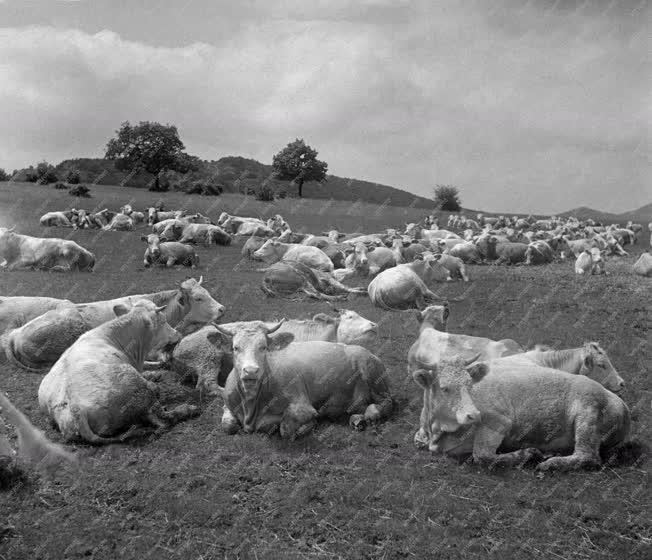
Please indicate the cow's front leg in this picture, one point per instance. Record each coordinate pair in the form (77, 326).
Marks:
(486, 442)
(170, 262)
(230, 423)
(298, 420)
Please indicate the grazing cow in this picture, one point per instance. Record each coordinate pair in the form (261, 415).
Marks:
(310, 256)
(468, 252)
(34, 448)
(288, 277)
(405, 285)
(95, 392)
(368, 261)
(55, 219)
(205, 356)
(525, 409)
(40, 342)
(454, 265)
(204, 233)
(23, 251)
(120, 222)
(643, 266)
(590, 360)
(168, 253)
(589, 262)
(275, 385)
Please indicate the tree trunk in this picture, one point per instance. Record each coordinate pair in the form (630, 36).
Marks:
(157, 185)
(300, 184)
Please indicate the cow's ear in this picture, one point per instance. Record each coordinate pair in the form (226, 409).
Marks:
(423, 377)
(280, 341)
(447, 311)
(120, 309)
(477, 371)
(370, 249)
(588, 360)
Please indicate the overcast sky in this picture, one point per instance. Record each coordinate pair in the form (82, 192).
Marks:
(525, 105)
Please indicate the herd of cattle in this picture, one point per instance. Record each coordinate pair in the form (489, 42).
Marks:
(557, 407)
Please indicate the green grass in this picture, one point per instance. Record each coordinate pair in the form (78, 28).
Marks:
(197, 493)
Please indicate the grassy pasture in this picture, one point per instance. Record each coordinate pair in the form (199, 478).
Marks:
(197, 493)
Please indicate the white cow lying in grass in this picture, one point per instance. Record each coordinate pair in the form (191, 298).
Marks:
(206, 355)
(95, 392)
(643, 266)
(168, 253)
(274, 385)
(23, 251)
(524, 409)
(313, 257)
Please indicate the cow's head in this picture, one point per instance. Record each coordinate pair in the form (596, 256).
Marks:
(435, 316)
(361, 251)
(270, 249)
(354, 328)
(151, 216)
(223, 218)
(250, 343)
(447, 402)
(153, 244)
(201, 306)
(597, 365)
(154, 319)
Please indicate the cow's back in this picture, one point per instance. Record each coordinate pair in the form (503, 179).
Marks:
(15, 311)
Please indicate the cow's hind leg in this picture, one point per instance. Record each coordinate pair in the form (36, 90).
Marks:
(587, 447)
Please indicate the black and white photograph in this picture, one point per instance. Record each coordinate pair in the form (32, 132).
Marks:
(325, 279)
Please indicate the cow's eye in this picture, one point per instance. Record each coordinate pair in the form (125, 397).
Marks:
(236, 349)
(445, 389)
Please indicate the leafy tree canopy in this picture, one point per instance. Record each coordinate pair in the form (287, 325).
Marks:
(150, 146)
(298, 162)
(447, 198)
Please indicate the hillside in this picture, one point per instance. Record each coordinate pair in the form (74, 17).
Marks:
(642, 215)
(239, 175)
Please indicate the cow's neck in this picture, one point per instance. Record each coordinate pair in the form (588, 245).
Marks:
(252, 403)
(122, 334)
(565, 360)
(175, 310)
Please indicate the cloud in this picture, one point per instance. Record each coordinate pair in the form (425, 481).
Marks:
(524, 112)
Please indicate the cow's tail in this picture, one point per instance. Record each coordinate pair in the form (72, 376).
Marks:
(88, 435)
(12, 356)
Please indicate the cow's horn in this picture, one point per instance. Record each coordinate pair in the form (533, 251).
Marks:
(160, 308)
(201, 279)
(275, 327)
(224, 330)
(473, 359)
(12, 228)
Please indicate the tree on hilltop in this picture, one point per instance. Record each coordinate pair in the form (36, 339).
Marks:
(447, 197)
(298, 162)
(150, 146)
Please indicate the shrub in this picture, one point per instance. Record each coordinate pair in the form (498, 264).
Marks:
(73, 177)
(447, 198)
(3, 175)
(203, 188)
(265, 193)
(60, 186)
(282, 193)
(45, 173)
(81, 191)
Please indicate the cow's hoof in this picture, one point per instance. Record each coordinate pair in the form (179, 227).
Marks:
(357, 422)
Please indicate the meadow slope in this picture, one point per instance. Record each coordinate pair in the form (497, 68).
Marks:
(197, 493)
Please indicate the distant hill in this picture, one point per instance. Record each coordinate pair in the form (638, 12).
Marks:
(238, 174)
(642, 215)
